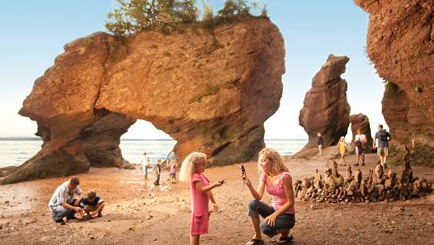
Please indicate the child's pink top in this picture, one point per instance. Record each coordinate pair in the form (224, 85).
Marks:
(173, 168)
(199, 206)
(277, 192)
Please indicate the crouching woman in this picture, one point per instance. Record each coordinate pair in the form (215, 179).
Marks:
(279, 217)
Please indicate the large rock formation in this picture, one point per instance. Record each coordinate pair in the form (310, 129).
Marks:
(361, 121)
(211, 90)
(325, 108)
(400, 43)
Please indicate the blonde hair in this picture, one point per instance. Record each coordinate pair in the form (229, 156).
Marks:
(189, 164)
(275, 159)
(91, 194)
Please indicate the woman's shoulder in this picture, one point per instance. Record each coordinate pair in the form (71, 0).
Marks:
(285, 175)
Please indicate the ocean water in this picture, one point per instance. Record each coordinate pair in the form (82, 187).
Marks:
(14, 152)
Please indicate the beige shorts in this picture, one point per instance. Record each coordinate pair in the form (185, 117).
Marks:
(383, 151)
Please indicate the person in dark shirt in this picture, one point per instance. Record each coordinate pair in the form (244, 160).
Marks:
(92, 204)
(319, 142)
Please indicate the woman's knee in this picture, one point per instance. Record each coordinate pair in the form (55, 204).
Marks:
(253, 208)
(253, 205)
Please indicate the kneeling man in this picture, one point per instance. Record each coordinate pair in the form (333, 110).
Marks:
(65, 200)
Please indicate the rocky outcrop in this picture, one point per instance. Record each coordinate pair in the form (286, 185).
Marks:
(361, 121)
(211, 90)
(400, 43)
(325, 108)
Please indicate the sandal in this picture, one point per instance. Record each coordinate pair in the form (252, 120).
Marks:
(255, 242)
(285, 240)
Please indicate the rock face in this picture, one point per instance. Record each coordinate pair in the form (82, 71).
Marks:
(326, 109)
(400, 43)
(211, 90)
(361, 121)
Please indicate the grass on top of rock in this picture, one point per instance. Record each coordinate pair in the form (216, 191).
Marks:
(133, 16)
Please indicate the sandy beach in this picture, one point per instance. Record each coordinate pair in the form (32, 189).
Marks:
(138, 213)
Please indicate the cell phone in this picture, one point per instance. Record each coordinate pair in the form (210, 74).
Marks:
(243, 170)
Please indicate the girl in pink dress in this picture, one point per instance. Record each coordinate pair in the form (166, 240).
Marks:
(192, 170)
(279, 217)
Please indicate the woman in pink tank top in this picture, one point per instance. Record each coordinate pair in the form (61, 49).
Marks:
(192, 170)
(279, 217)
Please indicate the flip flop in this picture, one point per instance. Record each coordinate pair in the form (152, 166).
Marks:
(285, 240)
(255, 242)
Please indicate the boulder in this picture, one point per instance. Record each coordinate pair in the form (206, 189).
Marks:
(210, 89)
(325, 107)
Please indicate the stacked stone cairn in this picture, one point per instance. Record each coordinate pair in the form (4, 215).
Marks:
(332, 187)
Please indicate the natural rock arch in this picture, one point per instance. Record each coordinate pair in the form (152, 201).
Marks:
(211, 90)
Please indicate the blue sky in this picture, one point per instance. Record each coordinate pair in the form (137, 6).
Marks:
(34, 33)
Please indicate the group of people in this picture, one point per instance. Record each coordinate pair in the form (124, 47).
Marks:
(381, 137)
(67, 201)
(171, 165)
(279, 217)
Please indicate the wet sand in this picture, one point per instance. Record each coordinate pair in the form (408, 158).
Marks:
(139, 213)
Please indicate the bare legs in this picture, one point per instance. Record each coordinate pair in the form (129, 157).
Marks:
(194, 239)
(343, 161)
(256, 222)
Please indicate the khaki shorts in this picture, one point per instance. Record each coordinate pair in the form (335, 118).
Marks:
(383, 151)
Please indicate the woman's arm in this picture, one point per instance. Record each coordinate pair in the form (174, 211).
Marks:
(259, 192)
(289, 193)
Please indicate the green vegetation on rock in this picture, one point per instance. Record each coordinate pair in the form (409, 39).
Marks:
(133, 16)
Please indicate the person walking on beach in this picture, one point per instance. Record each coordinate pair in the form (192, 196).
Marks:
(192, 170)
(63, 204)
(342, 145)
(145, 164)
(172, 174)
(383, 138)
(279, 217)
(360, 141)
(157, 170)
(319, 142)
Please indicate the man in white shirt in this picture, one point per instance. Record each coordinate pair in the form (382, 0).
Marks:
(63, 204)
(145, 164)
(360, 141)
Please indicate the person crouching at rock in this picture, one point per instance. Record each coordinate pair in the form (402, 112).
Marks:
(63, 204)
(92, 205)
(192, 170)
(280, 216)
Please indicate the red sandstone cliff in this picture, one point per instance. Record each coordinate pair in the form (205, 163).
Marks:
(325, 107)
(211, 90)
(400, 43)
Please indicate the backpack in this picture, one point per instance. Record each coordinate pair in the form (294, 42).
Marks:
(384, 135)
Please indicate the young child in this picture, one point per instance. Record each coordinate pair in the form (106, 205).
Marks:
(342, 148)
(92, 205)
(192, 170)
(172, 174)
